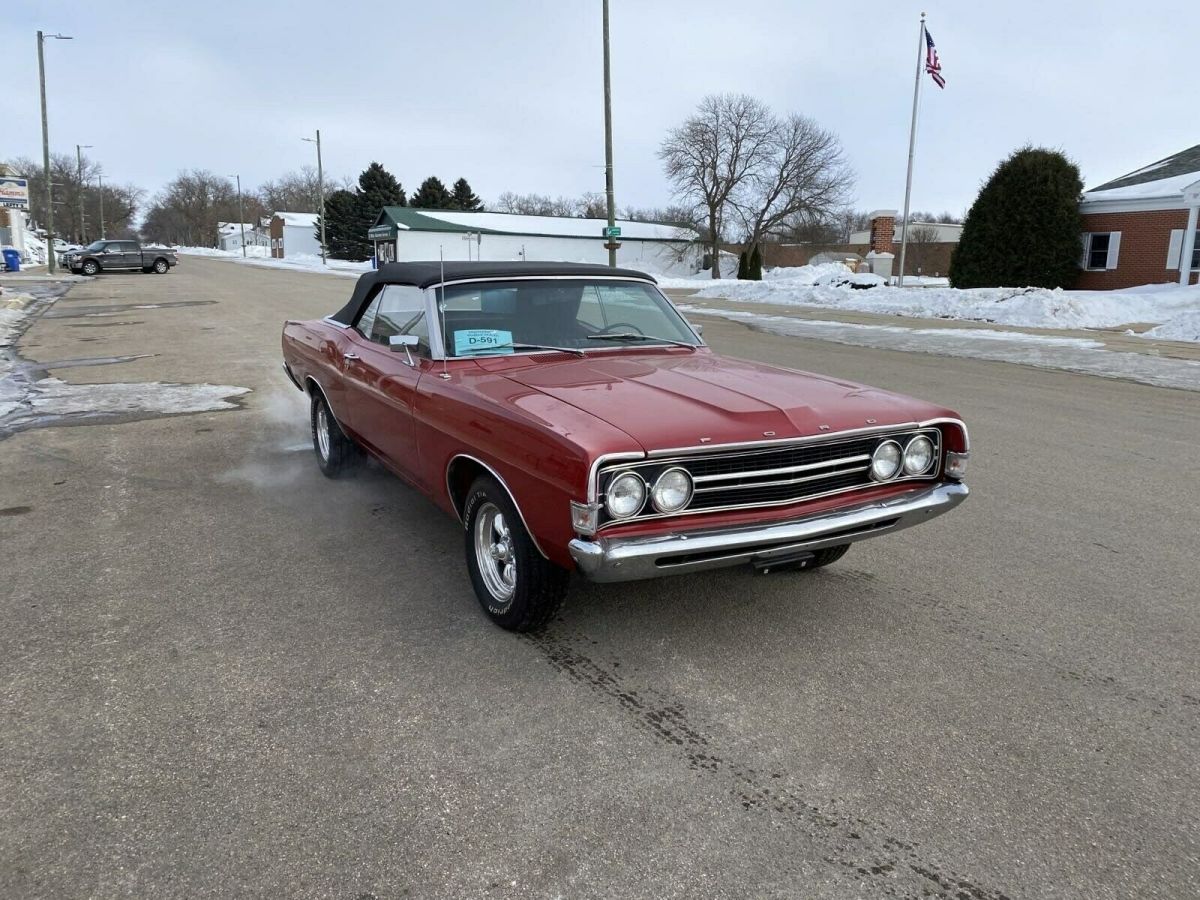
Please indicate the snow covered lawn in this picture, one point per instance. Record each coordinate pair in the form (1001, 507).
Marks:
(1175, 309)
(259, 256)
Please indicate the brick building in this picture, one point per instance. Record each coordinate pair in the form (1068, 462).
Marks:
(1141, 228)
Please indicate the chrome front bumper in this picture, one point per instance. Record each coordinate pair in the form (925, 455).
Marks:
(630, 559)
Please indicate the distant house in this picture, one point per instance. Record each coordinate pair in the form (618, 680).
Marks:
(294, 234)
(229, 236)
(1141, 228)
(404, 233)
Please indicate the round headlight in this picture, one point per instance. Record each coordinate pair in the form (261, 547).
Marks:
(672, 491)
(885, 461)
(625, 496)
(918, 455)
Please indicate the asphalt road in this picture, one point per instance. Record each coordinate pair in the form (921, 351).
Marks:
(223, 675)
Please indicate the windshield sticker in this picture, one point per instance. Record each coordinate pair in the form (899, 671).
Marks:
(482, 340)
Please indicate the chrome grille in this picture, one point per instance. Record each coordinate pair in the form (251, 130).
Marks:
(771, 476)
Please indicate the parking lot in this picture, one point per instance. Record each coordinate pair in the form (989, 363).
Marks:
(222, 674)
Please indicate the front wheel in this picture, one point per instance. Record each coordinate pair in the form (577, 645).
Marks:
(160, 267)
(517, 587)
(90, 267)
(337, 455)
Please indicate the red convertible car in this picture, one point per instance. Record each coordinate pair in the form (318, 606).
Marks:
(572, 420)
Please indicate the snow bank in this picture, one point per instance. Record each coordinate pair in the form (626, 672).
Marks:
(1183, 327)
(259, 256)
(1022, 307)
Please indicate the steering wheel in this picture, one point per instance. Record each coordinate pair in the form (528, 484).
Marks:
(609, 329)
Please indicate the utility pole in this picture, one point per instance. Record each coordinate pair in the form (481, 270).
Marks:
(321, 189)
(50, 260)
(612, 244)
(79, 148)
(241, 217)
(100, 180)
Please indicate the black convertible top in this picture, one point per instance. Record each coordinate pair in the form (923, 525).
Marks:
(427, 274)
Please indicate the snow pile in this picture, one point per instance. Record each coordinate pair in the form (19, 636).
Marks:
(14, 309)
(1022, 307)
(1183, 327)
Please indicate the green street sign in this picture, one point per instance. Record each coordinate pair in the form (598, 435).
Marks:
(611, 231)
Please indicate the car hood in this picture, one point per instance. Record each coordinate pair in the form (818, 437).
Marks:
(668, 400)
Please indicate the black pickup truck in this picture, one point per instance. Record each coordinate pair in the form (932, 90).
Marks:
(106, 256)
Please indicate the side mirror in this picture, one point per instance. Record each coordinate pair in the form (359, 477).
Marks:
(699, 329)
(400, 342)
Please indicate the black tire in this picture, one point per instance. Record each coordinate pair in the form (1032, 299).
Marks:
(337, 455)
(90, 267)
(537, 587)
(161, 266)
(821, 558)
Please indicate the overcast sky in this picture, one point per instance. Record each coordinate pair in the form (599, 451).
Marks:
(509, 94)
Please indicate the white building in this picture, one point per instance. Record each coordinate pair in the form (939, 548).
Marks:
(293, 234)
(229, 236)
(401, 233)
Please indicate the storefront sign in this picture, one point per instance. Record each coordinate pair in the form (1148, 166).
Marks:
(14, 193)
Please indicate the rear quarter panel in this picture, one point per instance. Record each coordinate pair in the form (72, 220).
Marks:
(312, 351)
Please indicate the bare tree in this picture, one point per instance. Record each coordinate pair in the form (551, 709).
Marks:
(711, 155)
(121, 201)
(297, 191)
(593, 206)
(187, 210)
(536, 205)
(803, 179)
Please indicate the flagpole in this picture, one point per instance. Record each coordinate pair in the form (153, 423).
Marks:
(912, 144)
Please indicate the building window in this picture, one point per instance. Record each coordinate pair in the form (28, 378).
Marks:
(1097, 251)
(1196, 252)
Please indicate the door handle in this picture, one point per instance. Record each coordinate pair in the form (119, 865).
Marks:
(349, 356)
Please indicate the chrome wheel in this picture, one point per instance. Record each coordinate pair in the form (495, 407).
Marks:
(495, 553)
(160, 266)
(323, 432)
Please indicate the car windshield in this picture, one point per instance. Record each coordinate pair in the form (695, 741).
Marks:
(96, 245)
(501, 317)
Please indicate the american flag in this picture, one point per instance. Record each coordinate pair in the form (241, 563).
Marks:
(932, 64)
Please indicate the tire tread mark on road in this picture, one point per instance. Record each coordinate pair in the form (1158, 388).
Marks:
(861, 848)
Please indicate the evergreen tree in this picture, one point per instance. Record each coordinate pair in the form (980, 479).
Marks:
(462, 197)
(379, 187)
(754, 266)
(743, 266)
(432, 195)
(350, 214)
(341, 223)
(1023, 229)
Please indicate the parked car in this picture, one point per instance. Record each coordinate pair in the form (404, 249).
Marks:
(572, 420)
(107, 256)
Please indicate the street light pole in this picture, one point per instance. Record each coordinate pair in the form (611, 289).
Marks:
(321, 190)
(241, 218)
(100, 180)
(79, 148)
(50, 260)
(608, 150)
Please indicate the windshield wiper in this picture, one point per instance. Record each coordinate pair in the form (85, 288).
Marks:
(574, 350)
(630, 336)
